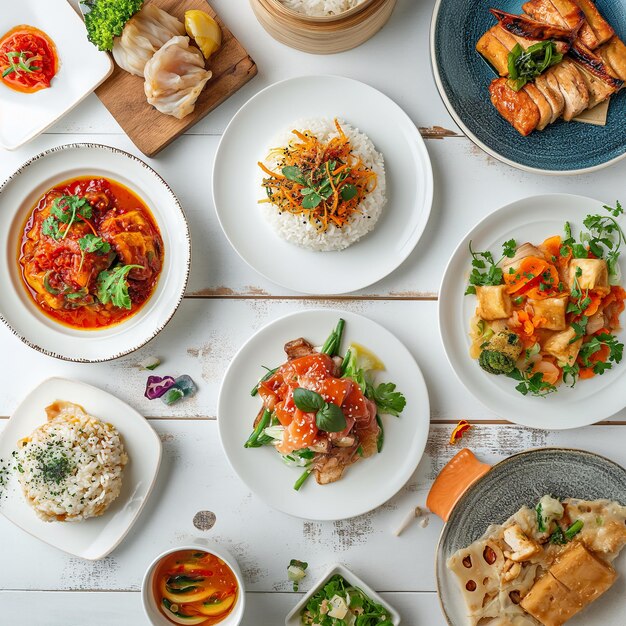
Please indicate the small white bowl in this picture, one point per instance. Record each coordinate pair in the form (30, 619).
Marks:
(293, 619)
(147, 595)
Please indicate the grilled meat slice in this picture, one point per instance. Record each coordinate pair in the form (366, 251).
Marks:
(600, 27)
(613, 54)
(598, 90)
(516, 107)
(522, 26)
(492, 49)
(329, 468)
(552, 94)
(595, 64)
(572, 87)
(298, 348)
(545, 110)
(563, 13)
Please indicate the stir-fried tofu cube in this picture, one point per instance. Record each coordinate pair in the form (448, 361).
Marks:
(561, 346)
(523, 547)
(552, 310)
(590, 273)
(583, 573)
(551, 602)
(494, 303)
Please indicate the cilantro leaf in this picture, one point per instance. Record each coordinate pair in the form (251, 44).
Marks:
(388, 400)
(113, 286)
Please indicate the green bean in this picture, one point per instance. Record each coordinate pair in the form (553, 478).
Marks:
(302, 479)
(333, 343)
(269, 374)
(260, 427)
(381, 435)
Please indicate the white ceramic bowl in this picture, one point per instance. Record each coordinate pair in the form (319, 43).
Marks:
(147, 596)
(17, 198)
(293, 619)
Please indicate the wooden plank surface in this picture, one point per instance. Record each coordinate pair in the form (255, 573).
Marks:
(227, 301)
(123, 93)
(64, 608)
(204, 335)
(195, 476)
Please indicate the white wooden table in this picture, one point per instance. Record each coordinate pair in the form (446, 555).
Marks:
(226, 301)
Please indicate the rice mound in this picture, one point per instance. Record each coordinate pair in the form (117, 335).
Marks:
(320, 8)
(299, 231)
(71, 467)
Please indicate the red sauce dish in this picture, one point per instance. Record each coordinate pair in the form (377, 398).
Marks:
(91, 253)
(28, 59)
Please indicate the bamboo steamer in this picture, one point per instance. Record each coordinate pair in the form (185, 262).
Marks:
(323, 35)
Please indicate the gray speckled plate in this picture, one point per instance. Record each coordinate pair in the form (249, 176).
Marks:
(523, 479)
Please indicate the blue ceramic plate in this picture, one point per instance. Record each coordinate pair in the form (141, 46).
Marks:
(463, 78)
(521, 480)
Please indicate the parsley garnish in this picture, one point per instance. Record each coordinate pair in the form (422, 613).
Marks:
(532, 384)
(65, 210)
(113, 286)
(92, 243)
(484, 261)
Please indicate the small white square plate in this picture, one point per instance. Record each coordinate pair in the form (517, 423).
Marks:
(93, 538)
(82, 67)
(293, 619)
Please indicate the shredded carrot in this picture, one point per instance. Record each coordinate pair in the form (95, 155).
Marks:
(319, 163)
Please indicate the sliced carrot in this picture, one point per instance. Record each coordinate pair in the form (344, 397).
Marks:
(528, 274)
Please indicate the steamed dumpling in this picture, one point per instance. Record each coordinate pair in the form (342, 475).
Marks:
(175, 76)
(142, 36)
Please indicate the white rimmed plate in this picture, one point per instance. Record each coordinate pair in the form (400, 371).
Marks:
(17, 198)
(531, 219)
(365, 485)
(237, 190)
(93, 538)
(82, 68)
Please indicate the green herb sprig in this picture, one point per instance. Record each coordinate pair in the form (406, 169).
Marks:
(113, 286)
(525, 65)
(92, 244)
(328, 416)
(21, 62)
(485, 270)
(532, 383)
(316, 186)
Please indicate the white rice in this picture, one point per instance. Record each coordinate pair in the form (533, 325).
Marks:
(71, 467)
(298, 230)
(319, 8)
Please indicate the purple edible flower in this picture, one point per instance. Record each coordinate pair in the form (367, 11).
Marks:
(156, 386)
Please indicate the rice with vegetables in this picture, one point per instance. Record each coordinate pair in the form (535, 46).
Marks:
(70, 468)
(325, 185)
(319, 8)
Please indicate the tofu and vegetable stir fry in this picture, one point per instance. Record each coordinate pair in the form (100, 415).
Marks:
(548, 313)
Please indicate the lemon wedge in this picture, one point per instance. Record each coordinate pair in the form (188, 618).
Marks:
(366, 359)
(204, 30)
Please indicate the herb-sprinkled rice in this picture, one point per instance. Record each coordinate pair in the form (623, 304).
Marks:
(298, 230)
(71, 467)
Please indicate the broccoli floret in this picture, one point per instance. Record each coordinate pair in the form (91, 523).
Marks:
(501, 353)
(106, 19)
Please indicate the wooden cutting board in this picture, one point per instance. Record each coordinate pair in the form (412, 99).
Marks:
(123, 95)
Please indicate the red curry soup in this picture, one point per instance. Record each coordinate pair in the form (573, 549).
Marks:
(194, 587)
(90, 253)
(28, 59)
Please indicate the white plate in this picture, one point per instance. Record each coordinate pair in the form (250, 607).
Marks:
(530, 219)
(365, 485)
(17, 198)
(237, 190)
(82, 68)
(293, 619)
(96, 537)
